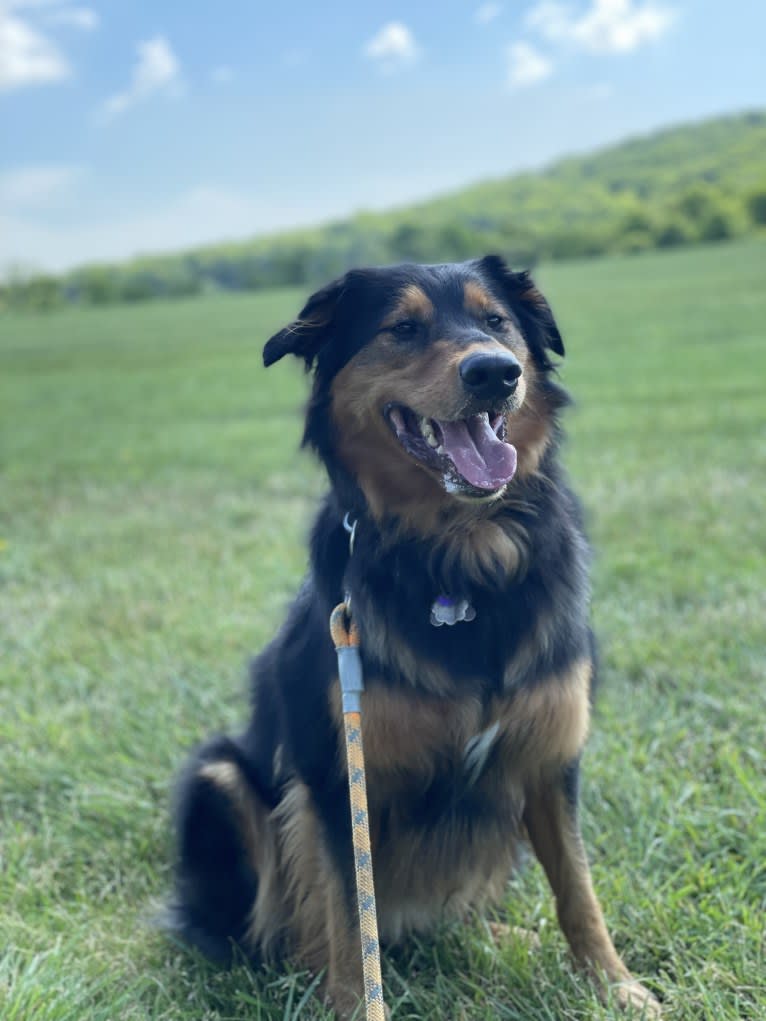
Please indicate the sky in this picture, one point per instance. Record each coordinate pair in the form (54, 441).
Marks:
(129, 126)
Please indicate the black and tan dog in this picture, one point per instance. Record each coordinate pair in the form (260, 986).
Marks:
(435, 413)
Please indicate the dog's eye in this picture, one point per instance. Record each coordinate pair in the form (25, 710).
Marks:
(406, 328)
(494, 321)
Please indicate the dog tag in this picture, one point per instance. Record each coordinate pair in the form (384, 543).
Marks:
(447, 610)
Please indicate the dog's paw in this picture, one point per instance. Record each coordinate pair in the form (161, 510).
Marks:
(500, 933)
(636, 1000)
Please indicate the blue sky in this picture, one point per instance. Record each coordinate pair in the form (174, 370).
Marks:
(131, 126)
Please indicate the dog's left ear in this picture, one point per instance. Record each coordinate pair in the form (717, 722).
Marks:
(306, 335)
(523, 294)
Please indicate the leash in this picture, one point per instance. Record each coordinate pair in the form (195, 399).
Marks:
(345, 636)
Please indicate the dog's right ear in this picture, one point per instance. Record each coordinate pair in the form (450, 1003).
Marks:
(306, 335)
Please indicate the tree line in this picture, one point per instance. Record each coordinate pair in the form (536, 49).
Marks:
(699, 183)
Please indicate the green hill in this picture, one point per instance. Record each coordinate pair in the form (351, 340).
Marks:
(704, 181)
(680, 174)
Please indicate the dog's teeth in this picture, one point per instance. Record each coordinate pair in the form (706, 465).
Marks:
(427, 431)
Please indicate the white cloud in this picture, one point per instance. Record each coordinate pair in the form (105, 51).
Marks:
(526, 65)
(487, 12)
(27, 57)
(393, 47)
(84, 18)
(607, 26)
(36, 186)
(551, 19)
(157, 70)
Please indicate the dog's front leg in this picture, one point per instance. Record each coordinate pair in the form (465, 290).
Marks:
(551, 819)
(344, 979)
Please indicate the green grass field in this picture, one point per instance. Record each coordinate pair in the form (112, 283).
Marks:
(152, 514)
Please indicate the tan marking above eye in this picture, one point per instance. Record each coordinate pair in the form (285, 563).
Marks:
(478, 300)
(412, 303)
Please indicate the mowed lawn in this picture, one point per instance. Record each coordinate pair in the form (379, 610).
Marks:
(153, 508)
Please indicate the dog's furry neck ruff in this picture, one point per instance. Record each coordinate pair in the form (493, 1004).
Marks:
(470, 553)
(446, 607)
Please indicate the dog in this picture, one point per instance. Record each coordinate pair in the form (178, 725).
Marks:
(435, 411)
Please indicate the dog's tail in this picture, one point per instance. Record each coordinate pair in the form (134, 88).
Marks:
(218, 808)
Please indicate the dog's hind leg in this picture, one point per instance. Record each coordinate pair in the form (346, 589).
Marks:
(550, 816)
(221, 823)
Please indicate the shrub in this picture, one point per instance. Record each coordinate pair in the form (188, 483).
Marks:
(756, 206)
(95, 284)
(40, 293)
(634, 241)
(674, 231)
(714, 216)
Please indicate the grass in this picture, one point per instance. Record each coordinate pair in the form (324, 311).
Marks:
(152, 515)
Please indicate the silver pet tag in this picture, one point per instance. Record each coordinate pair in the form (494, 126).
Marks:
(447, 610)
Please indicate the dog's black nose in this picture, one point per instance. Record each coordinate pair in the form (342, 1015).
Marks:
(490, 375)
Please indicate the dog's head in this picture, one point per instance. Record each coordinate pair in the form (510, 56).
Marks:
(430, 381)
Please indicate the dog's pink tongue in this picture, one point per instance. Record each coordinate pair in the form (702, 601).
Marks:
(478, 453)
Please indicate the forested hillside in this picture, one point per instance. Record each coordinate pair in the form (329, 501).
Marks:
(699, 182)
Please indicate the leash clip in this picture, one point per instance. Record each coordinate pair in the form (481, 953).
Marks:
(345, 638)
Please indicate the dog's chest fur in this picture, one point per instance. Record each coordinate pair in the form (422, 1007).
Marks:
(446, 781)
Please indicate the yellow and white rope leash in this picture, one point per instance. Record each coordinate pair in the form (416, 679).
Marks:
(345, 636)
